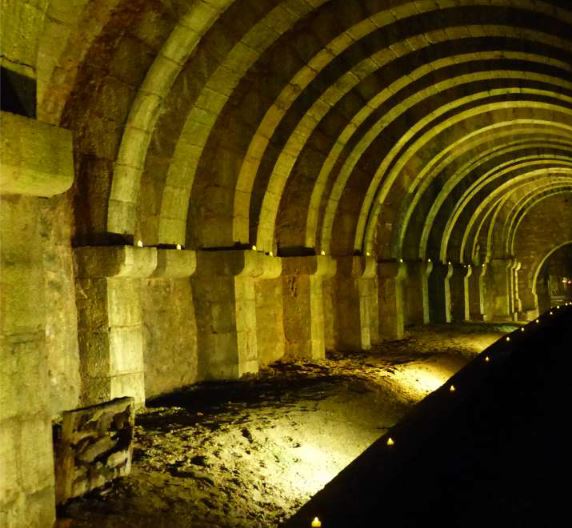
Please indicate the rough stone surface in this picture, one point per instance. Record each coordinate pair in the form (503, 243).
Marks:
(92, 447)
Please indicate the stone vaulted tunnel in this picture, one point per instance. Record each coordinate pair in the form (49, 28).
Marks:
(191, 190)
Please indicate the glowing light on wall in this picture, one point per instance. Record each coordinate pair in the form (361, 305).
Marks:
(390, 441)
(316, 523)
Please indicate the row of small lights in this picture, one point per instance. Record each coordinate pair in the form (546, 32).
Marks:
(316, 523)
(139, 243)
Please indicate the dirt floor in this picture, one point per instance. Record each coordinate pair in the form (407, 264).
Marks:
(250, 453)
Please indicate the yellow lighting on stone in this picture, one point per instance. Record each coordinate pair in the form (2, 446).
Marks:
(390, 441)
(316, 523)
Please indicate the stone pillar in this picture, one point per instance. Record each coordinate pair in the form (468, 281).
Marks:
(440, 293)
(416, 292)
(498, 287)
(529, 299)
(225, 306)
(353, 303)
(459, 284)
(391, 307)
(303, 299)
(477, 294)
(515, 302)
(270, 312)
(35, 162)
(111, 321)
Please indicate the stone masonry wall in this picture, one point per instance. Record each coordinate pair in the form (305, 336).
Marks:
(61, 316)
(170, 335)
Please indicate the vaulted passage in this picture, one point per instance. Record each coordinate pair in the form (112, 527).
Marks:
(192, 190)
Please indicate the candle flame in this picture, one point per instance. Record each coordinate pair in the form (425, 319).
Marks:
(390, 441)
(316, 523)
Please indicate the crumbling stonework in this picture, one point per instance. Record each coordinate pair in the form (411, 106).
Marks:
(93, 446)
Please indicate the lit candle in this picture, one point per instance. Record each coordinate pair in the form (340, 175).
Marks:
(487, 359)
(253, 248)
(508, 338)
(322, 252)
(452, 388)
(390, 441)
(316, 523)
(179, 247)
(140, 243)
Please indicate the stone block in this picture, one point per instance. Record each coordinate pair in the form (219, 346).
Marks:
(115, 261)
(93, 446)
(35, 453)
(95, 353)
(129, 385)
(22, 310)
(123, 302)
(35, 158)
(175, 264)
(23, 380)
(126, 350)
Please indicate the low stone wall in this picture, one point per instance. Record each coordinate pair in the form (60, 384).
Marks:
(93, 446)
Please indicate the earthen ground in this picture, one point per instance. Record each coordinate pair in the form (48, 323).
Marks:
(250, 453)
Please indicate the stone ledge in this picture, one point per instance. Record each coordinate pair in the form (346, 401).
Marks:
(115, 261)
(36, 159)
(239, 263)
(315, 265)
(357, 267)
(175, 264)
(391, 269)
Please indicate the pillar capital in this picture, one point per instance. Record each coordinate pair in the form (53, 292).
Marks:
(444, 269)
(314, 265)
(239, 263)
(36, 159)
(462, 270)
(415, 266)
(391, 269)
(115, 261)
(175, 264)
(357, 267)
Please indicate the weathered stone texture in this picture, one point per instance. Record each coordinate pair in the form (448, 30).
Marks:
(35, 159)
(170, 335)
(26, 462)
(92, 447)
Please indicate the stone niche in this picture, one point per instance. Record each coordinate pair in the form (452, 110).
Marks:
(93, 446)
